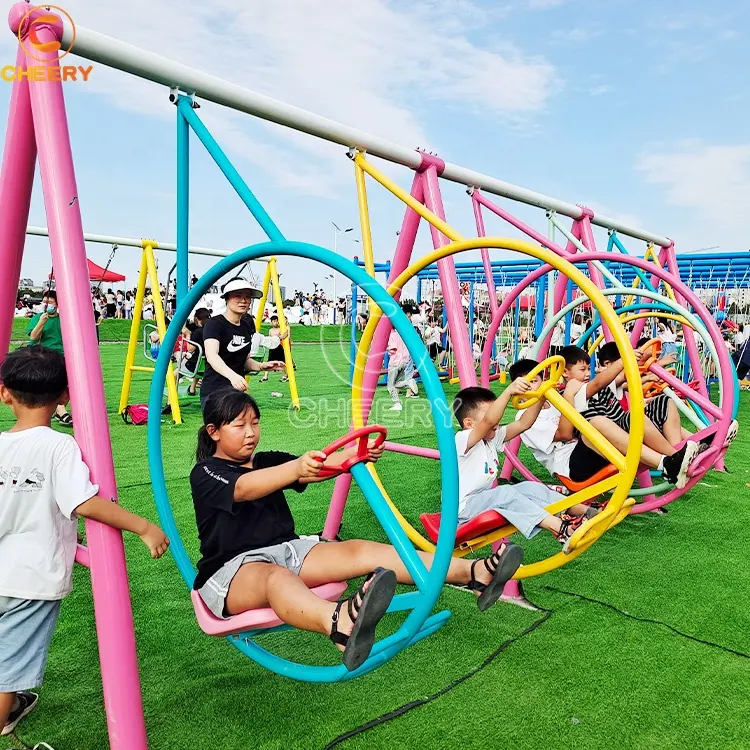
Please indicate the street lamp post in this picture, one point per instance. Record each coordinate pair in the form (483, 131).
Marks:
(337, 230)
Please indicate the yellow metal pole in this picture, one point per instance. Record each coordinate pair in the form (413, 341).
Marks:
(264, 298)
(135, 327)
(364, 225)
(410, 201)
(161, 326)
(293, 393)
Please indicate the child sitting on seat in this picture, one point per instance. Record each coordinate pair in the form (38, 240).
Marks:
(597, 403)
(479, 411)
(44, 488)
(252, 557)
(660, 409)
(552, 440)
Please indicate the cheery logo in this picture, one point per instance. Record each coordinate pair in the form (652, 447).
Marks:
(35, 47)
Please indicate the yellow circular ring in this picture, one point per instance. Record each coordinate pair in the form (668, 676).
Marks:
(590, 531)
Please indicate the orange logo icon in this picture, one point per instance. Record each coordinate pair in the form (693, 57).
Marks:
(35, 47)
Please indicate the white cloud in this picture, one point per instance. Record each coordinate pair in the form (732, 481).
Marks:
(600, 90)
(577, 34)
(712, 181)
(373, 64)
(544, 4)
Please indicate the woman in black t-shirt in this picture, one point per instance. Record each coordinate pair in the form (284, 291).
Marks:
(228, 343)
(251, 556)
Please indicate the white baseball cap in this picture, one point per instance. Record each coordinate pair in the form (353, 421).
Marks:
(240, 285)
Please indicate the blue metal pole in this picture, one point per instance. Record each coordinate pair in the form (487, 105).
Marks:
(233, 176)
(183, 203)
(540, 305)
(516, 326)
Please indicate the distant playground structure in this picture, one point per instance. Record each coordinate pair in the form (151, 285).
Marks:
(553, 273)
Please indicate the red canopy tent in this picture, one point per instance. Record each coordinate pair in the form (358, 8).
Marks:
(97, 273)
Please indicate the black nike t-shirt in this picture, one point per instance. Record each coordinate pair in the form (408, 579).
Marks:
(235, 342)
(227, 528)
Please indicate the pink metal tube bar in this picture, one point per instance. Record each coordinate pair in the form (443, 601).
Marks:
(16, 181)
(109, 580)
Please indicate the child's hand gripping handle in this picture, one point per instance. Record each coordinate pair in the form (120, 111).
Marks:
(556, 366)
(363, 448)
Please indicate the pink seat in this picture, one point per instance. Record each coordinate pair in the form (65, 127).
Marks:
(485, 522)
(254, 619)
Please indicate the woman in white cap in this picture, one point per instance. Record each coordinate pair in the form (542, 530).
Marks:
(230, 341)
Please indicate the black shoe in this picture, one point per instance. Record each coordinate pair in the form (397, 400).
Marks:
(26, 704)
(675, 467)
(166, 410)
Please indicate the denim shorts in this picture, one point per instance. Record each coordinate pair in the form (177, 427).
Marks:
(26, 628)
(289, 555)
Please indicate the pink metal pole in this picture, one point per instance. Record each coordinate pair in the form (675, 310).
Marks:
(486, 262)
(518, 224)
(109, 579)
(16, 182)
(459, 331)
(411, 450)
(587, 238)
(404, 247)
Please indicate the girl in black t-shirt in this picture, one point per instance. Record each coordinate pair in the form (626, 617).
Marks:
(228, 343)
(251, 556)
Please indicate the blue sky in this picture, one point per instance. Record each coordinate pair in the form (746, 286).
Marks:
(638, 109)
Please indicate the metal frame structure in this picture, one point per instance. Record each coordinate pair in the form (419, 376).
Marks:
(38, 127)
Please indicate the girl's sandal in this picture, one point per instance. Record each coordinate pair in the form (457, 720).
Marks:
(65, 419)
(502, 566)
(366, 607)
(263, 379)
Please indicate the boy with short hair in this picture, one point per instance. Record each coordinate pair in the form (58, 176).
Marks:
(44, 488)
(552, 440)
(598, 404)
(479, 412)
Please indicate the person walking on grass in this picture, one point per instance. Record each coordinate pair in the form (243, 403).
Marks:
(44, 488)
(44, 329)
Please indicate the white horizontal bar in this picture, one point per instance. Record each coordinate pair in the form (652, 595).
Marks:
(107, 50)
(106, 239)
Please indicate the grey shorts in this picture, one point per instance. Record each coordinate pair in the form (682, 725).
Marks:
(289, 555)
(26, 628)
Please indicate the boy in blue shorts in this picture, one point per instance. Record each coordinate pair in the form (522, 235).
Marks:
(44, 488)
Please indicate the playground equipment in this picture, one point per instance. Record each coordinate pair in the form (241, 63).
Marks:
(38, 123)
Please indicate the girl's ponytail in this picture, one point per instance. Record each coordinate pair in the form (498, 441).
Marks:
(206, 446)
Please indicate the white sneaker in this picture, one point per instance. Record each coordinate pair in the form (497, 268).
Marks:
(396, 407)
(413, 389)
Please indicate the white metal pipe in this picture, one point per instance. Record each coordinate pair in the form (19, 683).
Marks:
(106, 239)
(114, 53)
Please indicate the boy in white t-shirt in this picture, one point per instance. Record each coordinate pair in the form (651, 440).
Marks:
(479, 412)
(44, 488)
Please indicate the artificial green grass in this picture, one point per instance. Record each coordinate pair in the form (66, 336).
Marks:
(588, 677)
(113, 330)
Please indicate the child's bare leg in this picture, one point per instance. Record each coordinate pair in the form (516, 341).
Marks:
(266, 585)
(340, 561)
(655, 440)
(7, 701)
(673, 431)
(579, 509)
(619, 438)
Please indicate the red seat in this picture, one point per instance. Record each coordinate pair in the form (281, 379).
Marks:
(254, 619)
(482, 524)
(605, 473)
